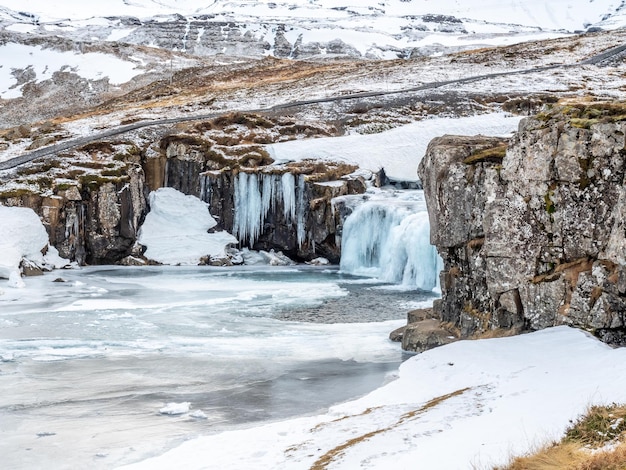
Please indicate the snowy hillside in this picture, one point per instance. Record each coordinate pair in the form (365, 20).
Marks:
(102, 50)
(373, 29)
(552, 15)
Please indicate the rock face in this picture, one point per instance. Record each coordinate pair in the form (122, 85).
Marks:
(281, 207)
(93, 201)
(536, 237)
(94, 223)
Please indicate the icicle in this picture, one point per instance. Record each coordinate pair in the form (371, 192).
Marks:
(203, 189)
(289, 196)
(267, 193)
(248, 208)
(255, 196)
(301, 211)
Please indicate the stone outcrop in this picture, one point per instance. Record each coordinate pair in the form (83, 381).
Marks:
(237, 188)
(533, 235)
(424, 331)
(91, 223)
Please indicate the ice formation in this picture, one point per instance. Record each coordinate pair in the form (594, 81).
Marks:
(256, 195)
(388, 237)
(174, 409)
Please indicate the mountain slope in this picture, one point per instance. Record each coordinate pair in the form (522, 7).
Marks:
(567, 15)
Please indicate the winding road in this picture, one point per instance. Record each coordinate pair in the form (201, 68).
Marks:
(80, 141)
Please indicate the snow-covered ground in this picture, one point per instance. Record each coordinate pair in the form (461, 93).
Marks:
(43, 63)
(471, 404)
(386, 30)
(398, 150)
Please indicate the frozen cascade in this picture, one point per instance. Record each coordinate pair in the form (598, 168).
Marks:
(389, 238)
(249, 210)
(256, 195)
(289, 195)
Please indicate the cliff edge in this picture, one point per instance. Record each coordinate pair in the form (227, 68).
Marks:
(533, 231)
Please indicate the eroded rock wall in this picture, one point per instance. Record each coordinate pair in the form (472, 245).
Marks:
(280, 207)
(535, 237)
(92, 223)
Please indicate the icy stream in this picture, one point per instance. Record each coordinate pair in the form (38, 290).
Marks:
(88, 364)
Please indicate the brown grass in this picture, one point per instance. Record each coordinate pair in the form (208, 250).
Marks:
(571, 456)
(325, 460)
(343, 418)
(497, 333)
(585, 444)
(491, 155)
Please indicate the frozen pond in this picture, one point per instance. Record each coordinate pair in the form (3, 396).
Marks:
(87, 364)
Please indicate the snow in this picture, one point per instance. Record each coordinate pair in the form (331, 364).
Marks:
(471, 404)
(16, 281)
(551, 15)
(22, 235)
(43, 63)
(175, 230)
(398, 150)
(173, 408)
(21, 28)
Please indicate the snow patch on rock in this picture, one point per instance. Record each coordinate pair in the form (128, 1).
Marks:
(176, 230)
(23, 236)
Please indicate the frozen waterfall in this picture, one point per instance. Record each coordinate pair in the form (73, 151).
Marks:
(255, 195)
(388, 237)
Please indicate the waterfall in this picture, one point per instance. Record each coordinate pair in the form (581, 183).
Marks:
(389, 238)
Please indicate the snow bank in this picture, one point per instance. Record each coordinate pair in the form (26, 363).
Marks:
(471, 404)
(23, 236)
(398, 150)
(175, 230)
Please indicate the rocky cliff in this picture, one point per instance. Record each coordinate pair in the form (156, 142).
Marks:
(91, 203)
(93, 200)
(533, 232)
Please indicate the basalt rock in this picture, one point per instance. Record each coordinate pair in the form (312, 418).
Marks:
(266, 206)
(94, 220)
(93, 201)
(533, 235)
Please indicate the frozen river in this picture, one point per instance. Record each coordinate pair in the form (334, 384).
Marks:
(89, 366)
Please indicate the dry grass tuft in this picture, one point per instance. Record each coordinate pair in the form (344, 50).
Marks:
(571, 456)
(491, 155)
(497, 333)
(596, 441)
